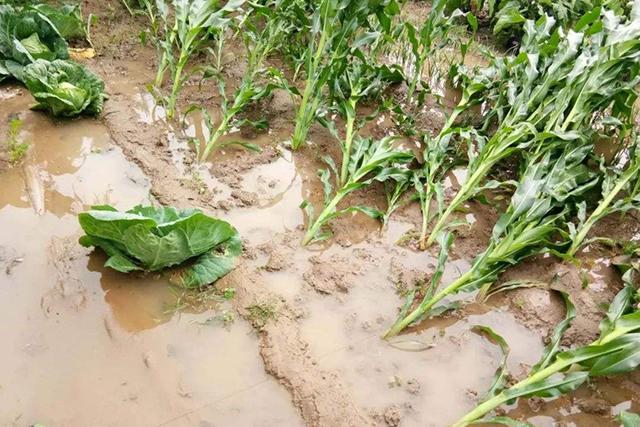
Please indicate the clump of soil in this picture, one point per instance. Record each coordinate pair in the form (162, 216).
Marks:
(329, 276)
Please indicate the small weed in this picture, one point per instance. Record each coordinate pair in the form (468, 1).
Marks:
(16, 149)
(407, 238)
(259, 314)
(228, 293)
(198, 183)
(519, 302)
(196, 300)
(224, 319)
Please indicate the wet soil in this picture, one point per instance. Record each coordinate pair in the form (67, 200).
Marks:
(299, 343)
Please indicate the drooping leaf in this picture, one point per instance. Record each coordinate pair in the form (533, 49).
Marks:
(210, 266)
(551, 349)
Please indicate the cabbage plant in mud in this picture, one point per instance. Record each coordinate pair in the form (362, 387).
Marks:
(25, 36)
(338, 30)
(537, 211)
(616, 351)
(559, 84)
(64, 88)
(147, 238)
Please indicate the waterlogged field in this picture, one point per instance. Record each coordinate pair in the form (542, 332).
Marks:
(409, 214)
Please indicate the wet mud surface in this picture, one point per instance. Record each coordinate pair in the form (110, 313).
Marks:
(299, 343)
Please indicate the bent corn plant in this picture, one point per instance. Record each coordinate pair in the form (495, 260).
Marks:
(625, 180)
(616, 351)
(338, 30)
(556, 86)
(264, 31)
(537, 208)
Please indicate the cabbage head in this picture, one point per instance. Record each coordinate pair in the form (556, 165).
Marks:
(64, 88)
(148, 238)
(25, 36)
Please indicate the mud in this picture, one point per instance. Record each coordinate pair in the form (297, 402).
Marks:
(305, 347)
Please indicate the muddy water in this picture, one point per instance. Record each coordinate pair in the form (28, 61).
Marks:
(83, 345)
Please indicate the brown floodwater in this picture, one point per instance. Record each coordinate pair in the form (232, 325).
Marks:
(83, 345)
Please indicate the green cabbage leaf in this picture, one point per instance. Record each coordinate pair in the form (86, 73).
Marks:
(67, 19)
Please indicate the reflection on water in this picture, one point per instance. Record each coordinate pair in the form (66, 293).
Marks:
(137, 301)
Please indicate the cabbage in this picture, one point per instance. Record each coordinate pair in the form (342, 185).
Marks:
(27, 35)
(64, 88)
(147, 238)
(67, 19)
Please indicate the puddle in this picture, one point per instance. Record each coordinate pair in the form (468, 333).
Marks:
(111, 344)
(431, 374)
(278, 187)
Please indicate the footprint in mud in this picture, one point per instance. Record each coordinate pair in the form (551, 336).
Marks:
(68, 291)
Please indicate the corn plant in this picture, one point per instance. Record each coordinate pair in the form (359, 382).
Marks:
(394, 190)
(338, 30)
(623, 178)
(507, 16)
(429, 39)
(616, 351)
(358, 80)
(181, 33)
(371, 160)
(440, 154)
(557, 85)
(263, 33)
(438, 158)
(537, 208)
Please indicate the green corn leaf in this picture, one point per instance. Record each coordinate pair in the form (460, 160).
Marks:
(500, 376)
(616, 351)
(551, 349)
